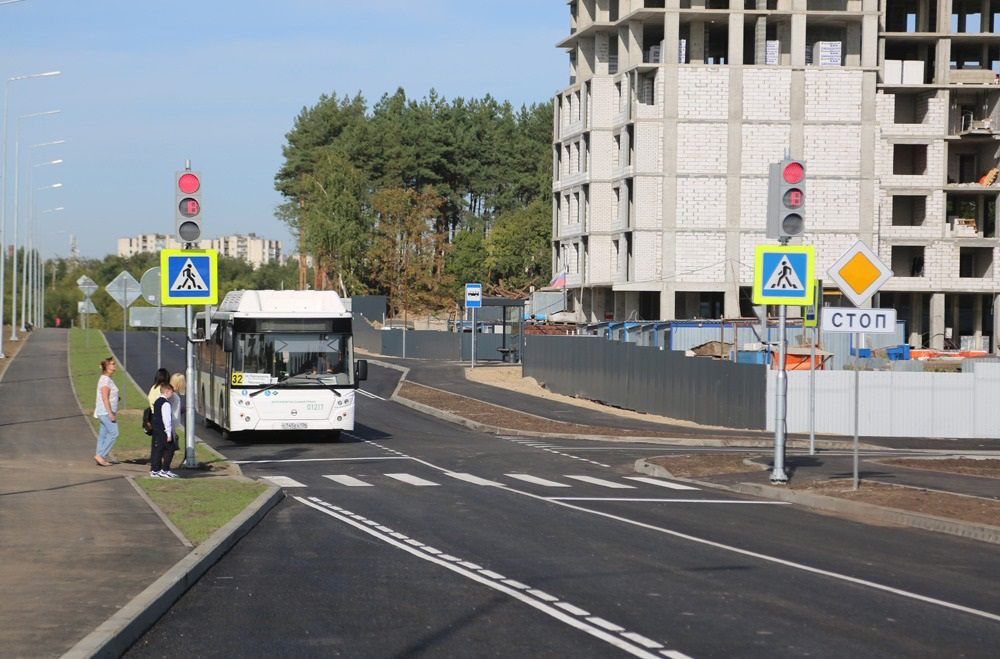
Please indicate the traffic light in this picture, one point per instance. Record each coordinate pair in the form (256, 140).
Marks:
(187, 190)
(786, 197)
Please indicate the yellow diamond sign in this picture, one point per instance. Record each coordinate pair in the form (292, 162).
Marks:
(859, 273)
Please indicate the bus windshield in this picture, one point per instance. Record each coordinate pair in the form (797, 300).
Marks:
(279, 355)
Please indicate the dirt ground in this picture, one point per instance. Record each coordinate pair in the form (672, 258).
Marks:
(970, 509)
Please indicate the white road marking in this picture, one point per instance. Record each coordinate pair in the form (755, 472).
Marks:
(661, 483)
(574, 610)
(410, 479)
(358, 459)
(475, 480)
(369, 394)
(561, 611)
(527, 478)
(601, 622)
(638, 500)
(349, 481)
(601, 482)
(284, 481)
(642, 640)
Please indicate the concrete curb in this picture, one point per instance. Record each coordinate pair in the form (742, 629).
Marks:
(865, 511)
(119, 632)
(670, 441)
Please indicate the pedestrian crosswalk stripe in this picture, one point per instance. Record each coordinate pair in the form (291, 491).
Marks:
(661, 483)
(349, 481)
(412, 480)
(475, 480)
(284, 481)
(527, 478)
(602, 482)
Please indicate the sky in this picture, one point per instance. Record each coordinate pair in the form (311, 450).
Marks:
(145, 85)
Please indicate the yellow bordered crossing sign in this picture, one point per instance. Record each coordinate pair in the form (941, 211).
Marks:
(784, 275)
(189, 276)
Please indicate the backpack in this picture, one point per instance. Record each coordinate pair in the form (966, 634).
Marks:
(147, 420)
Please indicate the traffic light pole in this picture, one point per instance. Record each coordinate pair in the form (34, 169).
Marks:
(778, 474)
(189, 389)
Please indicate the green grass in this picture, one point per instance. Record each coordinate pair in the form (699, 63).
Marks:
(197, 506)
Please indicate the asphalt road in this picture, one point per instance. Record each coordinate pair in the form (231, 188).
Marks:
(413, 537)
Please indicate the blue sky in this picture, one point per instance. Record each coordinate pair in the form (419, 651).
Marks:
(146, 84)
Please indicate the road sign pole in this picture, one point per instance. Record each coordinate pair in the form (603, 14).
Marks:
(778, 474)
(812, 394)
(189, 390)
(159, 333)
(473, 337)
(124, 339)
(857, 401)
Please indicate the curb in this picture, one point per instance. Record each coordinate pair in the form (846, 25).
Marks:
(671, 441)
(867, 512)
(119, 632)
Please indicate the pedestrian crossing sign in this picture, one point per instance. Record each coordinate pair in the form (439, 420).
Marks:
(189, 276)
(784, 275)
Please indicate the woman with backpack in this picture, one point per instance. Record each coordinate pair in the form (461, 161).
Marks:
(162, 377)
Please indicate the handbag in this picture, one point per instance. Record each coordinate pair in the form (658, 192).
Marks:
(147, 420)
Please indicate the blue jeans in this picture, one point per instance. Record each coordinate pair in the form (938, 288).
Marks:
(107, 435)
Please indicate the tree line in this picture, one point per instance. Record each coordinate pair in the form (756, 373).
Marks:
(413, 199)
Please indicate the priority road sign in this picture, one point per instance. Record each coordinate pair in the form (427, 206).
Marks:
(859, 273)
(784, 275)
(189, 276)
(87, 285)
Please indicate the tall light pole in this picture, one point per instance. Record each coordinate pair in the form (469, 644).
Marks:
(3, 191)
(24, 273)
(37, 287)
(36, 256)
(17, 219)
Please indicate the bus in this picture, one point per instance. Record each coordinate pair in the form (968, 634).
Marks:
(277, 361)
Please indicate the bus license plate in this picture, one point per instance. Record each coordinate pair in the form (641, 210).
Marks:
(293, 425)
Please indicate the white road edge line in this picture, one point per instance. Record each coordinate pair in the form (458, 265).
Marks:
(636, 500)
(552, 611)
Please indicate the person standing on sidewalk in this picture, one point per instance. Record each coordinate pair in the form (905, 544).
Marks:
(164, 443)
(106, 411)
(176, 406)
(162, 375)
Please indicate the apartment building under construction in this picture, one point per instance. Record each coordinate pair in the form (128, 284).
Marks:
(675, 108)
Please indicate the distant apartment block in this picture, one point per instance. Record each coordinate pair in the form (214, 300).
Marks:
(250, 248)
(675, 108)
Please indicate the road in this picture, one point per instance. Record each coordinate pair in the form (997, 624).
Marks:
(414, 537)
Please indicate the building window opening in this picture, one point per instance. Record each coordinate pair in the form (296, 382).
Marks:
(908, 260)
(910, 108)
(909, 210)
(909, 159)
(975, 262)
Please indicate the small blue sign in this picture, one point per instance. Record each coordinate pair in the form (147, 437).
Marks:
(473, 295)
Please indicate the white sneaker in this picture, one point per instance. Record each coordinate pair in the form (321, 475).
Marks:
(168, 474)
(156, 474)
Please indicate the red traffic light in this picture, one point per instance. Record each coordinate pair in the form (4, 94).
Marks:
(793, 172)
(188, 183)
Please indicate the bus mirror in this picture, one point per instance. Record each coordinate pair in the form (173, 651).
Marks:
(361, 370)
(227, 338)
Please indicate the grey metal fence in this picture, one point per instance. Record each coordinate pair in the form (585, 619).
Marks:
(651, 380)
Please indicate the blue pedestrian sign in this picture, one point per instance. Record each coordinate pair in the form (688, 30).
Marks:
(784, 275)
(189, 276)
(473, 296)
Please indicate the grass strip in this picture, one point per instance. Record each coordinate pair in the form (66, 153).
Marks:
(198, 506)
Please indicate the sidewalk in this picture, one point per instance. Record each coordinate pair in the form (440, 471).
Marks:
(78, 541)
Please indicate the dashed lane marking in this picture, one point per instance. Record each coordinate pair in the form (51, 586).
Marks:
(601, 482)
(410, 479)
(284, 481)
(566, 612)
(349, 481)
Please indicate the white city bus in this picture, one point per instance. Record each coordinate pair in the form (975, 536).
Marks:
(278, 360)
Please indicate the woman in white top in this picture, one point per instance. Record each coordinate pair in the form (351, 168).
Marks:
(177, 382)
(106, 411)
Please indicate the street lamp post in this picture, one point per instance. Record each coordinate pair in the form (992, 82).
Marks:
(17, 217)
(35, 298)
(3, 191)
(37, 286)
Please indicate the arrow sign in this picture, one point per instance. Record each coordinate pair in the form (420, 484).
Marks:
(124, 289)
